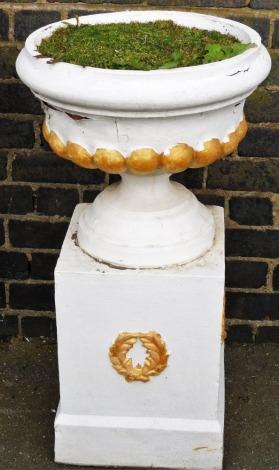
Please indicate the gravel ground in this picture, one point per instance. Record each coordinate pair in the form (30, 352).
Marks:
(29, 396)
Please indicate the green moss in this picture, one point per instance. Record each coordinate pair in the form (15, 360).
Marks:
(138, 46)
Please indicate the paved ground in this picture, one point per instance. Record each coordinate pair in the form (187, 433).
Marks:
(29, 397)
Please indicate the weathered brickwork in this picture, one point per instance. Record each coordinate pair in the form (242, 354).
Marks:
(39, 190)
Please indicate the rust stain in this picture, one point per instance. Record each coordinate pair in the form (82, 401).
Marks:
(197, 449)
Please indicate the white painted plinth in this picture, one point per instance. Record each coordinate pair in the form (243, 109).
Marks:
(175, 420)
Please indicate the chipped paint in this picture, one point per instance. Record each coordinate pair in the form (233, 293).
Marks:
(205, 448)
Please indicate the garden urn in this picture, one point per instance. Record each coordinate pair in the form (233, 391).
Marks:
(145, 126)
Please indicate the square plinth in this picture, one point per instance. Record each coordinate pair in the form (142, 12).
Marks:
(172, 417)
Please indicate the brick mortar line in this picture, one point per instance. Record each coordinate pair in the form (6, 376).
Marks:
(258, 12)
(55, 186)
(33, 281)
(271, 31)
(29, 281)
(251, 290)
(226, 210)
(226, 194)
(231, 224)
(99, 187)
(239, 158)
(58, 186)
(7, 295)
(232, 193)
(219, 11)
(11, 24)
(33, 217)
(273, 262)
(38, 184)
(6, 234)
(269, 276)
(27, 312)
(49, 314)
(9, 167)
(65, 7)
(80, 194)
(252, 258)
(30, 251)
(80, 189)
(30, 313)
(257, 323)
(265, 125)
(204, 177)
(275, 204)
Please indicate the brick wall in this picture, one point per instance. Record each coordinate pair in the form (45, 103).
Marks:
(39, 190)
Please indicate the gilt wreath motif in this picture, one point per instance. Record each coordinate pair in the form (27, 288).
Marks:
(154, 364)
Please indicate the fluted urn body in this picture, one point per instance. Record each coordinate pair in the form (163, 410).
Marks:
(146, 126)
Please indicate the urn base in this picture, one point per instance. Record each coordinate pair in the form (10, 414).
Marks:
(147, 222)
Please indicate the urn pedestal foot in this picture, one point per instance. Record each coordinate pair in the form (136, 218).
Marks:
(146, 221)
(163, 406)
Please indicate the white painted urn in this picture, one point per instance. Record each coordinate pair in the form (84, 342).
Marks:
(145, 125)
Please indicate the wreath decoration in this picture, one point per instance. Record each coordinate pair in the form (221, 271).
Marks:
(154, 364)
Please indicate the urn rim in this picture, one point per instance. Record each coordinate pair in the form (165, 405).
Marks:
(146, 93)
